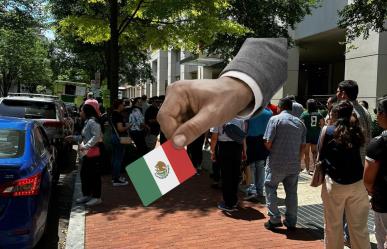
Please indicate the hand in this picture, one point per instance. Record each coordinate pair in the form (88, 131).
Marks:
(191, 107)
(244, 157)
(213, 158)
(81, 147)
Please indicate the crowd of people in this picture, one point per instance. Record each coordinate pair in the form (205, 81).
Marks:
(272, 143)
(275, 145)
(132, 123)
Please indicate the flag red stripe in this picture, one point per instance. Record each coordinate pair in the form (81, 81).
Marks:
(181, 163)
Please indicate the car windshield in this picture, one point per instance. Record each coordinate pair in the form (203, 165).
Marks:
(27, 109)
(11, 143)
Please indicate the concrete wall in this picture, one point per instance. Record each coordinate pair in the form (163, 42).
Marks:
(162, 72)
(367, 65)
(322, 19)
(291, 85)
(173, 58)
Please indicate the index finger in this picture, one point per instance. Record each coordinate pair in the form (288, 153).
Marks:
(168, 123)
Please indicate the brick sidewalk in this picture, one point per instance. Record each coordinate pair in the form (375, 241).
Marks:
(186, 217)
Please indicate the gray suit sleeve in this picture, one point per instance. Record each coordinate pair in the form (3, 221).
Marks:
(264, 60)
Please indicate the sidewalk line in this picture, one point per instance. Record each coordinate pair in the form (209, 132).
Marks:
(76, 231)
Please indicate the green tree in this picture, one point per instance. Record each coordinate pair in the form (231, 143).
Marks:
(23, 60)
(19, 15)
(140, 24)
(363, 16)
(73, 60)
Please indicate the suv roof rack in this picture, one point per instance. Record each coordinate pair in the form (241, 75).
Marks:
(31, 95)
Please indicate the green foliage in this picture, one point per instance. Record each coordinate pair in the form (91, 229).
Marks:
(363, 16)
(19, 15)
(23, 60)
(73, 60)
(158, 24)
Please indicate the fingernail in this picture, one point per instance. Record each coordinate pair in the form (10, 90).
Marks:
(179, 140)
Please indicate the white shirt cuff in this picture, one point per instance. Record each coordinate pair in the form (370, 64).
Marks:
(370, 159)
(248, 112)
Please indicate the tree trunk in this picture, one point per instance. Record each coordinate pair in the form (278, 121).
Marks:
(113, 58)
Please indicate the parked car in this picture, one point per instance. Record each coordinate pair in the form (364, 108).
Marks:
(49, 111)
(26, 167)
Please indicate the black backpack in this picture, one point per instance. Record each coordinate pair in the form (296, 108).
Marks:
(234, 132)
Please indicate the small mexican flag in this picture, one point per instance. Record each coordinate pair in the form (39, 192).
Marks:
(159, 171)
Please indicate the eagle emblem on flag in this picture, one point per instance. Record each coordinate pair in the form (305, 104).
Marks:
(162, 170)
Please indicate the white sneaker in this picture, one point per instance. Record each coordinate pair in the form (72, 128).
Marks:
(93, 201)
(83, 199)
(119, 182)
(121, 178)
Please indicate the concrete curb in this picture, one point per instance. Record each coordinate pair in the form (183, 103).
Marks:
(75, 238)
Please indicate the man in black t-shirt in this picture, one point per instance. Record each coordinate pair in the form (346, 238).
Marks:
(375, 180)
(375, 175)
(121, 130)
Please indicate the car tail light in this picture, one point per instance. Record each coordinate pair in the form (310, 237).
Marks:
(54, 123)
(23, 187)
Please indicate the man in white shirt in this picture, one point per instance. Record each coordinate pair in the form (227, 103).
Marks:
(229, 156)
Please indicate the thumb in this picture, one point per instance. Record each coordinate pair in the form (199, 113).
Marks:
(192, 129)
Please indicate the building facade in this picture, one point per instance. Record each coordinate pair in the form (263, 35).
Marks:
(317, 63)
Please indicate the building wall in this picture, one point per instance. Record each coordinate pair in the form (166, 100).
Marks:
(321, 19)
(367, 65)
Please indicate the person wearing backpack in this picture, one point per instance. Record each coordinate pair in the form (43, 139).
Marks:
(375, 175)
(231, 149)
(257, 153)
(285, 138)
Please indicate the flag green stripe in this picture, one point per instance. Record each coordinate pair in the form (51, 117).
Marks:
(143, 181)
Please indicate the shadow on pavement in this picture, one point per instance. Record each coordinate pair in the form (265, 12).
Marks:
(194, 194)
(245, 213)
(303, 234)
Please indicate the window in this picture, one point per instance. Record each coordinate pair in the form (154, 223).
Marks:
(46, 142)
(70, 89)
(38, 142)
(27, 109)
(11, 143)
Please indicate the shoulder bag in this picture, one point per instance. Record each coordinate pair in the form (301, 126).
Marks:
(318, 174)
(116, 137)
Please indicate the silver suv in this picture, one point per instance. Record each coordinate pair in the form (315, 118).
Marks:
(46, 109)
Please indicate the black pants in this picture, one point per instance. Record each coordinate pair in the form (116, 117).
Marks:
(195, 151)
(139, 140)
(229, 159)
(215, 166)
(91, 177)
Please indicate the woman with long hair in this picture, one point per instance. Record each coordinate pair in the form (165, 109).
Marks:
(343, 189)
(375, 175)
(89, 153)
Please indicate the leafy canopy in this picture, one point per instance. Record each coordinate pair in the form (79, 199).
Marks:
(363, 16)
(179, 23)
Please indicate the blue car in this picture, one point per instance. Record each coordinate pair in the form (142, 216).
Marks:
(25, 182)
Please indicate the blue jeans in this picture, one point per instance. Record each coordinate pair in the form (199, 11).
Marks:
(290, 185)
(117, 157)
(258, 170)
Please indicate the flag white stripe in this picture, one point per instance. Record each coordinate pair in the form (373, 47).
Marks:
(151, 159)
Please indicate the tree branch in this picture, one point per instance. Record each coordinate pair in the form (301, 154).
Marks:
(129, 19)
